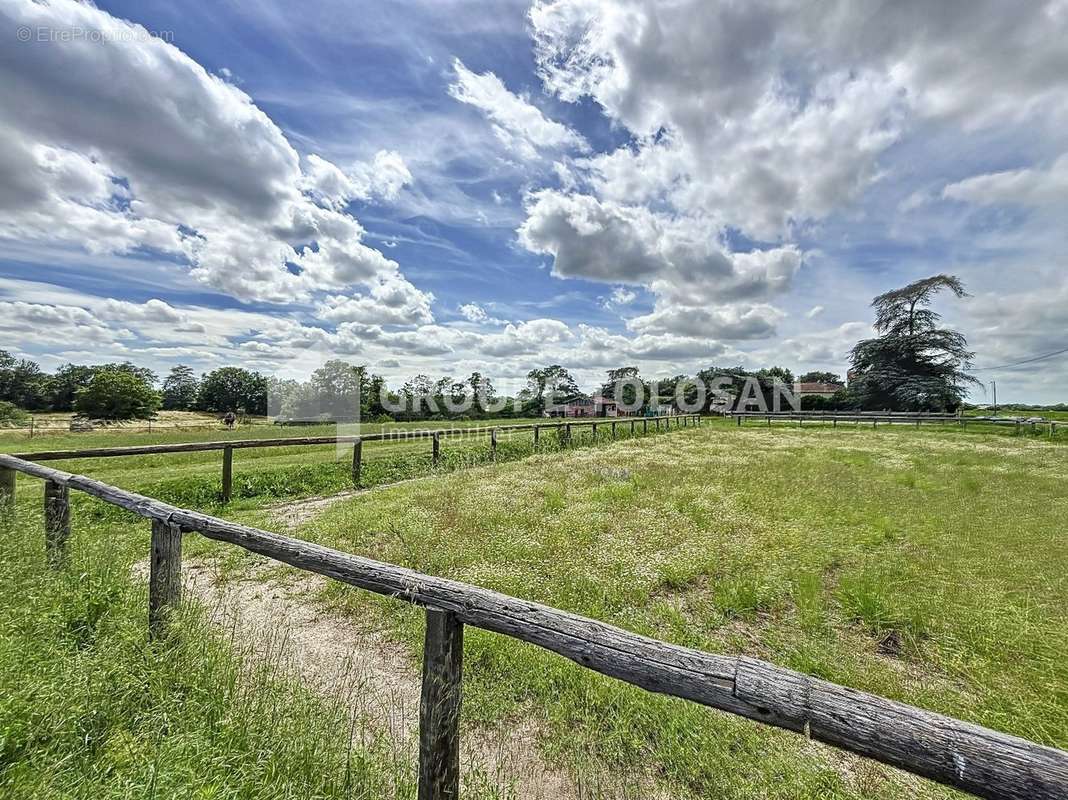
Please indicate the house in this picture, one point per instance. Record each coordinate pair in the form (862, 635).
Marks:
(596, 406)
(802, 390)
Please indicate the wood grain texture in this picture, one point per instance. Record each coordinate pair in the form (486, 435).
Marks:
(57, 522)
(7, 491)
(439, 707)
(357, 462)
(227, 474)
(977, 760)
(165, 576)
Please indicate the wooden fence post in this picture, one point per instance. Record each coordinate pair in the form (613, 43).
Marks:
(439, 707)
(357, 461)
(593, 432)
(493, 444)
(436, 453)
(57, 523)
(645, 425)
(7, 492)
(165, 576)
(613, 429)
(567, 433)
(739, 418)
(228, 474)
(537, 430)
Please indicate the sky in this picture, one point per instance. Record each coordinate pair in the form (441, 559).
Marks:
(454, 185)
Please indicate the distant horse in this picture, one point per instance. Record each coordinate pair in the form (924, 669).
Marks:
(230, 419)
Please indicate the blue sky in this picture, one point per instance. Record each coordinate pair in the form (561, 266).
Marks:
(440, 187)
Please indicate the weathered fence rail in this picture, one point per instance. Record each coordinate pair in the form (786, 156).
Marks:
(435, 436)
(977, 760)
(891, 418)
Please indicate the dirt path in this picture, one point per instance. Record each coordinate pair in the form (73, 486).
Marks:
(281, 623)
(295, 513)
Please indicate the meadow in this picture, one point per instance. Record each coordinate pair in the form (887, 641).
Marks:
(926, 565)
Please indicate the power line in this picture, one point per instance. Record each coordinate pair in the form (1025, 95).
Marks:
(1025, 361)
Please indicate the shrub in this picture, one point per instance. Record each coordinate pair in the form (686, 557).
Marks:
(117, 394)
(12, 416)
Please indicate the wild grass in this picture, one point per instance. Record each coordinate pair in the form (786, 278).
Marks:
(925, 566)
(264, 475)
(90, 709)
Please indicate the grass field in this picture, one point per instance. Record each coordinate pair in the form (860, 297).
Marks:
(267, 474)
(928, 565)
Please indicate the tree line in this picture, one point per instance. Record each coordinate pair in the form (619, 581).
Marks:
(126, 391)
(912, 364)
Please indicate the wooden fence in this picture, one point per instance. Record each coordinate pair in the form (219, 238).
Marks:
(563, 429)
(35, 428)
(968, 757)
(892, 418)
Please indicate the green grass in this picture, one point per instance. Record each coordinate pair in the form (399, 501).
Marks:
(90, 709)
(925, 565)
(264, 475)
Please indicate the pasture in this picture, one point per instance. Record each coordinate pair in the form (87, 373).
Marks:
(926, 565)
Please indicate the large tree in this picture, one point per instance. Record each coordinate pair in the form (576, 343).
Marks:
(23, 383)
(338, 390)
(233, 389)
(64, 384)
(550, 385)
(913, 364)
(180, 389)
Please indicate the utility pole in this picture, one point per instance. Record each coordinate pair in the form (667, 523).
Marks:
(994, 386)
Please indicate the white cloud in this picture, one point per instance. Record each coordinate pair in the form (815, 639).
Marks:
(131, 144)
(767, 118)
(814, 312)
(621, 296)
(55, 324)
(391, 301)
(520, 125)
(730, 322)
(1040, 188)
(681, 260)
(382, 178)
(473, 312)
(526, 337)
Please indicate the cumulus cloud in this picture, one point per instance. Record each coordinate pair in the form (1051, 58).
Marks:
(721, 322)
(382, 178)
(56, 324)
(526, 337)
(126, 143)
(391, 301)
(680, 259)
(520, 125)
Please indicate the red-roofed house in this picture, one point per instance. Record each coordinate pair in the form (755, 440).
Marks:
(816, 389)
